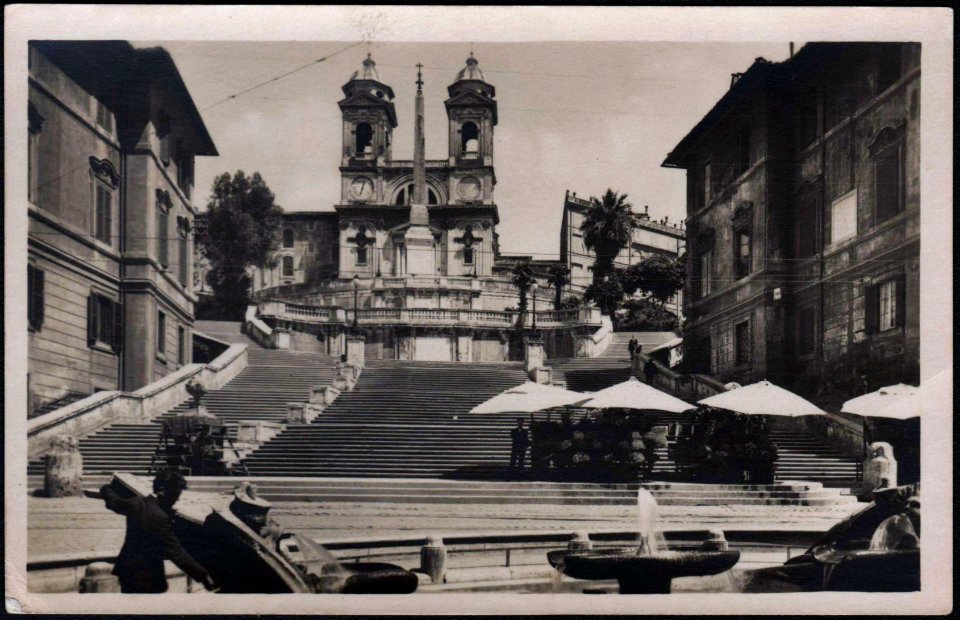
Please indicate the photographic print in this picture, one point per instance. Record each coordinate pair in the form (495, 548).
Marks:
(456, 308)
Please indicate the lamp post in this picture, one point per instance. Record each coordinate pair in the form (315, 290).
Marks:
(356, 290)
(533, 294)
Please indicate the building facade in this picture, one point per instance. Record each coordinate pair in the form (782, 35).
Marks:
(803, 203)
(113, 134)
(411, 244)
(650, 238)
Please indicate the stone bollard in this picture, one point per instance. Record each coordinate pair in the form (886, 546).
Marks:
(98, 579)
(63, 474)
(580, 542)
(341, 384)
(879, 468)
(296, 413)
(715, 541)
(433, 559)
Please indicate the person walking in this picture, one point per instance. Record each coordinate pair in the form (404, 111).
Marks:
(520, 441)
(150, 538)
(633, 347)
(649, 370)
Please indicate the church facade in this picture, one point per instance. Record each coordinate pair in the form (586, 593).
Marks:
(409, 253)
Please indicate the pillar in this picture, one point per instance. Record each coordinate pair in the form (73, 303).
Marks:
(63, 474)
(356, 350)
(296, 413)
(323, 394)
(433, 559)
(534, 354)
(98, 579)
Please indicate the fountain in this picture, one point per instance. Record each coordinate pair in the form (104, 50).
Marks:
(875, 550)
(649, 567)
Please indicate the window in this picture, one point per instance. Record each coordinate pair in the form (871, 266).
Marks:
(183, 261)
(888, 306)
(890, 66)
(364, 140)
(805, 230)
(470, 139)
(163, 234)
(742, 344)
(181, 345)
(184, 170)
(743, 262)
(843, 217)
(706, 273)
(104, 117)
(35, 298)
(163, 135)
(705, 179)
(743, 150)
(888, 182)
(361, 255)
(104, 322)
(104, 213)
(405, 195)
(807, 331)
(885, 305)
(161, 333)
(467, 256)
(35, 122)
(287, 266)
(288, 237)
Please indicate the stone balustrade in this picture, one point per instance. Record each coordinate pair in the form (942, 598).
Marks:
(547, 319)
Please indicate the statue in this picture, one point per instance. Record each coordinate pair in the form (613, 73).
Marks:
(879, 468)
(197, 391)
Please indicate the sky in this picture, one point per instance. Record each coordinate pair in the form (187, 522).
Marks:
(582, 116)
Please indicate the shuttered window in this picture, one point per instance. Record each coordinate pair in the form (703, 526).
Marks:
(163, 245)
(104, 214)
(885, 305)
(181, 345)
(104, 322)
(161, 333)
(35, 298)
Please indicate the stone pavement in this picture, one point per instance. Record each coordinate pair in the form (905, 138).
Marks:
(83, 527)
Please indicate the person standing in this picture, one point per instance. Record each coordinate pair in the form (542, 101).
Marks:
(633, 347)
(150, 538)
(649, 371)
(520, 441)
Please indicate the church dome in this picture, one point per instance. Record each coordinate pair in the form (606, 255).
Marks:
(471, 71)
(367, 72)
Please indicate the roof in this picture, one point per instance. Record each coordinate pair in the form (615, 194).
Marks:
(471, 71)
(121, 63)
(754, 79)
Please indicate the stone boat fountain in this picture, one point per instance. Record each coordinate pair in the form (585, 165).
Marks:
(649, 567)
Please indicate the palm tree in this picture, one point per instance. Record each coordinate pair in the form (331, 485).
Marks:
(607, 229)
(559, 278)
(522, 277)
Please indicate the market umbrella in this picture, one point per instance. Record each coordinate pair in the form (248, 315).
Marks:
(528, 398)
(632, 394)
(873, 403)
(763, 398)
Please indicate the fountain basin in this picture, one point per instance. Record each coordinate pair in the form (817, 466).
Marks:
(368, 578)
(641, 574)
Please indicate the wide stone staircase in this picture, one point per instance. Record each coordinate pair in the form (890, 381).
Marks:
(620, 341)
(259, 393)
(806, 457)
(402, 419)
(227, 331)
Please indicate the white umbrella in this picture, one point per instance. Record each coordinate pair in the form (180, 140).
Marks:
(528, 398)
(871, 404)
(632, 394)
(937, 389)
(763, 398)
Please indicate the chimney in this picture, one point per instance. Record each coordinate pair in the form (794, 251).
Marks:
(791, 49)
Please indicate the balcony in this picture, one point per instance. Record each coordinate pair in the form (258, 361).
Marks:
(433, 317)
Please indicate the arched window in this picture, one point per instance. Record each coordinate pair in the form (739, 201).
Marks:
(405, 195)
(470, 139)
(288, 237)
(287, 266)
(364, 139)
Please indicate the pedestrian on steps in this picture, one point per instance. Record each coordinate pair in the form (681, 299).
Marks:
(520, 441)
(649, 371)
(633, 347)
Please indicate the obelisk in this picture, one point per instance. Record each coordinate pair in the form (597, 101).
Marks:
(418, 238)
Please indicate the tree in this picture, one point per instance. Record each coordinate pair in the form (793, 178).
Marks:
(522, 277)
(647, 315)
(241, 230)
(659, 277)
(571, 302)
(607, 228)
(559, 278)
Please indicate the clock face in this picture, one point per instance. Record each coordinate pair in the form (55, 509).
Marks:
(361, 188)
(469, 188)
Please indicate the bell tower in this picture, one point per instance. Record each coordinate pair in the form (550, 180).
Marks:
(472, 113)
(369, 118)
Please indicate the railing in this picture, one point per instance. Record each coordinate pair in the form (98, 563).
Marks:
(689, 387)
(281, 310)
